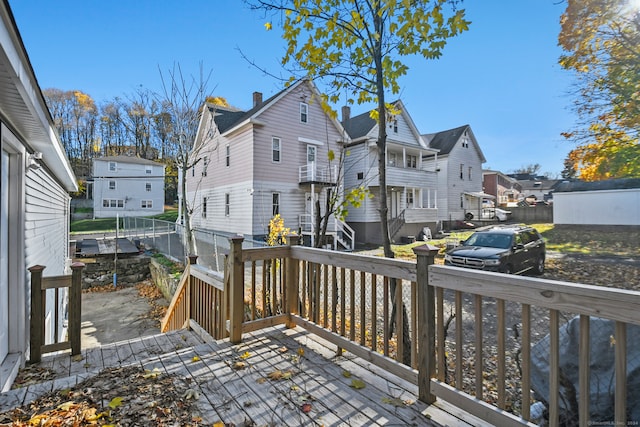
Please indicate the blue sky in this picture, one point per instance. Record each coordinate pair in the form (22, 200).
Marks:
(501, 77)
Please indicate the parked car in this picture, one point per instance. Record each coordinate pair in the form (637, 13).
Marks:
(506, 249)
(495, 213)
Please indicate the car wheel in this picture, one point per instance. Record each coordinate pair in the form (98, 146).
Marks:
(539, 268)
(507, 269)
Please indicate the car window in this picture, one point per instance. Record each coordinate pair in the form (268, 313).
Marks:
(489, 240)
(519, 239)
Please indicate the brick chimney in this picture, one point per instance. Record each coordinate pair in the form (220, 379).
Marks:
(346, 113)
(257, 98)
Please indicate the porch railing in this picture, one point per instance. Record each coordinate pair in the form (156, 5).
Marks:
(39, 287)
(397, 315)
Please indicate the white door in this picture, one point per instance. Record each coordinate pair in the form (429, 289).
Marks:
(4, 258)
(311, 162)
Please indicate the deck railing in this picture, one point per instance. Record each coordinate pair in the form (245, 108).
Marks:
(199, 302)
(397, 315)
(39, 287)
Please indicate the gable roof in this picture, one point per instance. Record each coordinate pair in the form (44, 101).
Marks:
(359, 126)
(445, 140)
(228, 119)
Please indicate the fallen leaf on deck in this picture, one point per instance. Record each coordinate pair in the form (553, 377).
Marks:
(77, 358)
(195, 359)
(396, 401)
(346, 374)
(115, 402)
(357, 384)
(239, 365)
(306, 407)
(245, 355)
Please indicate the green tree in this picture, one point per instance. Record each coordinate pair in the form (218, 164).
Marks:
(601, 43)
(355, 47)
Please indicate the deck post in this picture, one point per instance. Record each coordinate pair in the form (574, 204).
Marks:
(75, 307)
(236, 290)
(291, 288)
(425, 255)
(36, 330)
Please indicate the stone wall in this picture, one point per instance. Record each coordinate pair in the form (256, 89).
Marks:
(163, 280)
(99, 271)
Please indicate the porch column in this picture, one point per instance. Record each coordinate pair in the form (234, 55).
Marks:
(426, 322)
(236, 290)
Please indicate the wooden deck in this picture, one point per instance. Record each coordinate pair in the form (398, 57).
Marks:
(240, 382)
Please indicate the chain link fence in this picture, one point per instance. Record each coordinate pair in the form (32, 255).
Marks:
(168, 238)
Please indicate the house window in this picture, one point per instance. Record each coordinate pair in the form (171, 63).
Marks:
(360, 175)
(465, 141)
(228, 155)
(409, 199)
(275, 203)
(412, 162)
(304, 112)
(204, 207)
(148, 186)
(275, 150)
(112, 185)
(469, 173)
(193, 171)
(205, 163)
(112, 203)
(148, 169)
(146, 204)
(461, 171)
(227, 202)
(391, 159)
(393, 124)
(113, 166)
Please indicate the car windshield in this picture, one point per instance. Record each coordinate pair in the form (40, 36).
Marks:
(489, 240)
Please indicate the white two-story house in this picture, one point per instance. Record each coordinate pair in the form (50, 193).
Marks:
(459, 165)
(127, 186)
(411, 182)
(272, 159)
(36, 179)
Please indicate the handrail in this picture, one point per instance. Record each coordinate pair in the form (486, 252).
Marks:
(395, 224)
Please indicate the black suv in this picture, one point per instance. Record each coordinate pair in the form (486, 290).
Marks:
(507, 249)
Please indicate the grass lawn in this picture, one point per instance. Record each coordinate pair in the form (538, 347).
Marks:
(571, 241)
(109, 224)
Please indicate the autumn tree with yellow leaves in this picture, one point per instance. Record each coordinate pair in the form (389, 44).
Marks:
(601, 43)
(355, 48)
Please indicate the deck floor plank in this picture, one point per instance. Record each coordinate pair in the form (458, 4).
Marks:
(246, 395)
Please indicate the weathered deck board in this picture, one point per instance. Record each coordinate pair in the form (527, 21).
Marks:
(246, 395)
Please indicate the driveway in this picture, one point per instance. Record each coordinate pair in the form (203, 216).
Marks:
(119, 315)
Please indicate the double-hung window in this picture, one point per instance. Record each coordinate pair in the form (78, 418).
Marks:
(112, 185)
(275, 203)
(412, 161)
(227, 202)
(204, 207)
(304, 113)
(146, 204)
(228, 155)
(148, 186)
(275, 150)
(113, 166)
(148, 170)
